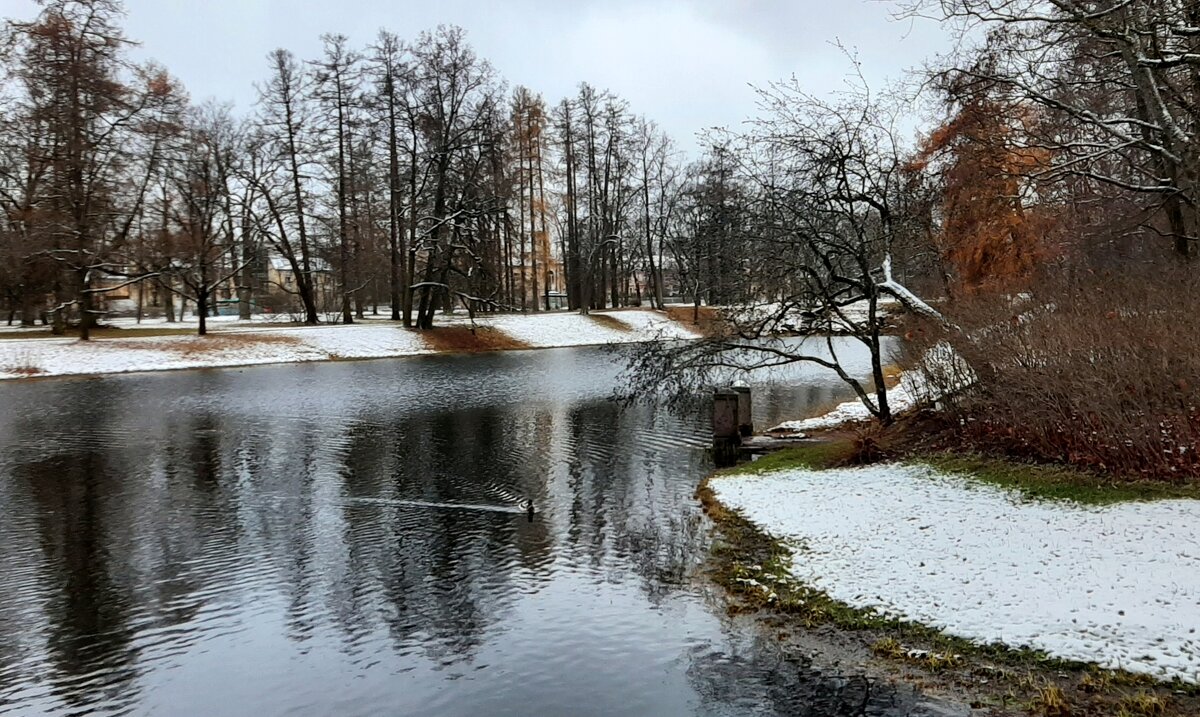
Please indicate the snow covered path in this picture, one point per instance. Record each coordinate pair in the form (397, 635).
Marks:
(1117, 585)
(241, 343)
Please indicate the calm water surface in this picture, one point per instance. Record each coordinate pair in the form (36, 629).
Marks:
(347, 539)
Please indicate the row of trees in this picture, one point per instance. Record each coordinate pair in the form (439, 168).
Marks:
(402, 173)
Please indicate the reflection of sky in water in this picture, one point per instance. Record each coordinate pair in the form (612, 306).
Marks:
(285, 540)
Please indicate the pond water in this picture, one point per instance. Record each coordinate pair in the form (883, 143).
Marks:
(348, 538)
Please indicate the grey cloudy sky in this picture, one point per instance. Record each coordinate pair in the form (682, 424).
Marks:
(687, 64)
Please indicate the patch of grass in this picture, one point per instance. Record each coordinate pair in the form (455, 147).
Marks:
(465, 339)
(1051, 702)
(611, 322)
(1099, 681)
(893, 649)
(1049, 482)
(888, 647)
(1142, 704)
(817, 455)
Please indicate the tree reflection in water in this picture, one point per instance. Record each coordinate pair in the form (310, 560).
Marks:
(262, 541)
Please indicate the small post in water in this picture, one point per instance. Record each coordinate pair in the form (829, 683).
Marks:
(745, 411)
(726, 438)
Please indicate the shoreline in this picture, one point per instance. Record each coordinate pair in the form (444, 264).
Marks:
(301, 362)
(970, 678)
(757, 567)
(243, 345)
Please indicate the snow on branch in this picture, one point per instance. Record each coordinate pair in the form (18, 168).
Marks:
(903, 295)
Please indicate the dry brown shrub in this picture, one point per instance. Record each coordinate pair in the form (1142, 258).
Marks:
(1096, 368)
(20, 363)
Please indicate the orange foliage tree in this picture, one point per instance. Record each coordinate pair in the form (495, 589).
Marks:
(992, 224)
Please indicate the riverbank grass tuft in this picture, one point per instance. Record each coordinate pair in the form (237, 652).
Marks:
(817, 455)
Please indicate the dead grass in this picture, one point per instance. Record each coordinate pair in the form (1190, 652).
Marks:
(1051, 702)
(463, 339)
(21, 367)
(611, 322)
(198, 346)
(710, 323)
(20, 363)
(1142, 704)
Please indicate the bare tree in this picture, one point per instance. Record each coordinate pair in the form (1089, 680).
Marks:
(386, 66)
(458, 97)
(335, 81)
(206, 254)
(820, 202)
(92, 102)
(283, 126)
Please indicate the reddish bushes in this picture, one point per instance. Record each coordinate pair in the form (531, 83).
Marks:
(1094, 368)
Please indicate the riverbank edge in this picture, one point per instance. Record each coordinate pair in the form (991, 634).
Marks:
(304, 361)
(243, 346)
(996, 679)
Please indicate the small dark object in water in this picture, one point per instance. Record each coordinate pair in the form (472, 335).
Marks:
(527, 504)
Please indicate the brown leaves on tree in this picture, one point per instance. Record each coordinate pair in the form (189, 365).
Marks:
(993, 225)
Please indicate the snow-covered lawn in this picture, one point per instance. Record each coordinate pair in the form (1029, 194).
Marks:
(233, 343)
(1117, 585)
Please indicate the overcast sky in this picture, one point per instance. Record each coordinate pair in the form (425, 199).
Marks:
(686, 64)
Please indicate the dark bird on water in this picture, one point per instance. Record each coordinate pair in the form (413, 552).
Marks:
(527, 504)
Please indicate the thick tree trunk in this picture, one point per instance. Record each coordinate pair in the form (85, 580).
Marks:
(29, 311)
(245, 289)
(395, 252)
(202, 312)
(168, 299)
(533, 259)
(87, 318)
(410, 267)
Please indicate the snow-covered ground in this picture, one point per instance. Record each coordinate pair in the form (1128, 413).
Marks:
(1117, 585)
(560, 329)
(236, 343)
(849, 318)
(900, 398)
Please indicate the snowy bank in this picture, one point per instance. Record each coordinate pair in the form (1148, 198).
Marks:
(951, 373)
(902, 397)
(249, 343)
(1117, 585)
